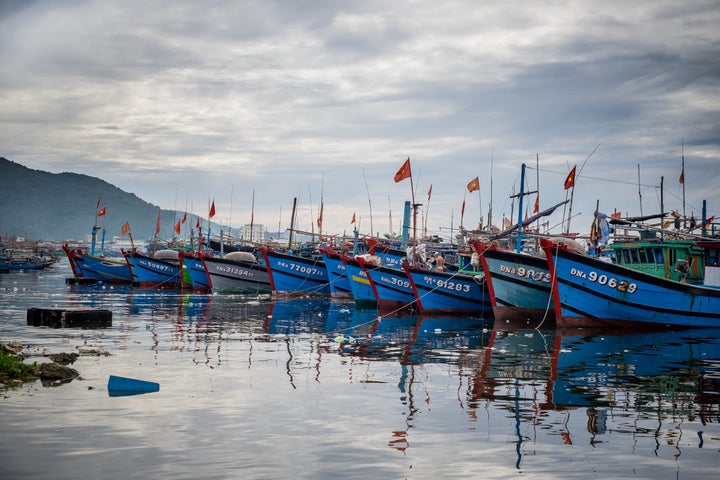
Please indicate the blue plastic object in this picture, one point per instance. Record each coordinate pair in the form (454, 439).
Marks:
(123, 386)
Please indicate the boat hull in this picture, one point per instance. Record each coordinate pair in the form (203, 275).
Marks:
(292, 275)
(101, 269)
(451, 293)
(195, 271)
(337, 274)
(154, 273)
(519, 288)
(591, 292)
(237, 275)
(392, 288)
(360, 286)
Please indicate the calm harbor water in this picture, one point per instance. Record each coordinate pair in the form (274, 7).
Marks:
(312, 388)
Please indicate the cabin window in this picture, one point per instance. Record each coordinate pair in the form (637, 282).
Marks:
(626, 256)
(634, 257)
(642, 255)
(659, 257)
(712, 257)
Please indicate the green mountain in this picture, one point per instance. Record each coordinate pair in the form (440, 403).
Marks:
(40, 205)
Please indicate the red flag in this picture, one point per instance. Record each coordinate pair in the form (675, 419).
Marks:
(212, 210)
(184, 217)
(125, 229)
(404, 172)
(430, 192)
(536, 208)
(97, 205)
(570, 180)
(353, 219)
(197, 223)
(682, 175)
(616, 215)
(101, 212)
(157, 224)
(474, 185)
(462, 210)
(177, 227)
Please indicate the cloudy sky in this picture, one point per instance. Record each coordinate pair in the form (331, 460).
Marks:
(183, 101)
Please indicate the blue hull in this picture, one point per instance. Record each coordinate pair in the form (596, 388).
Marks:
(519, 287)
(392, 288)
(194, 268)
(295, 275)
(96, 268)
(337, 274)
(589, 292)
(150, 272)
(448, 293)
(360, 287)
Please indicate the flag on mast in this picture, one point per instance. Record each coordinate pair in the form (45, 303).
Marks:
(474, 185)
(125, 228)
(212, 209)
(570, 180)
(157, 224)
(101, 212)
(353, 219)
(404, 172)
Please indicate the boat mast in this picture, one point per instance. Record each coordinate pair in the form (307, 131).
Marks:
(682, 180)
(292, 222)
(492, 152)
(518, 245)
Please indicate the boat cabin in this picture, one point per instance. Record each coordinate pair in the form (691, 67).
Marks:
(679, 260)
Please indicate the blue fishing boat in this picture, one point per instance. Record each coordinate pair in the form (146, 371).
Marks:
(518, 285)
(97, 268)
(194, 273)
(362, 291)
(237, 272)
(161, 271)
(392, 288)
(448, 292)
(588, 291)
(292, 275)
(337, 273)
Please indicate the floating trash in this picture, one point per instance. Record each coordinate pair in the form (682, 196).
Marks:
(123, 386)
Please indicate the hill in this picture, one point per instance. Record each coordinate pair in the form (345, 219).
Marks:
(41, 205)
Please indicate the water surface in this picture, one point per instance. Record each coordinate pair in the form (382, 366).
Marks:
(252, 387)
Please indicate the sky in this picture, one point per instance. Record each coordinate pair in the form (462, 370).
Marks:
(185, 102)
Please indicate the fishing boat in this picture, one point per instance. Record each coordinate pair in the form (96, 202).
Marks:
(295, 275)
(588, 291)
(194, 273)
(23, 260)
(159, 271)
(461, 292)
(237, 272)
(360, 287)
(97, 268)
(391, 287)
(518, 285)
(337, 273)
